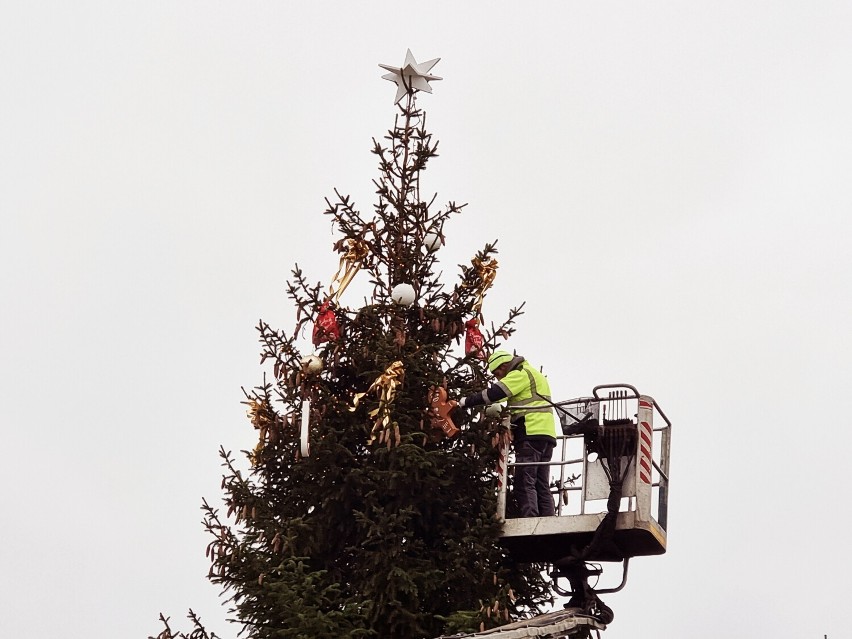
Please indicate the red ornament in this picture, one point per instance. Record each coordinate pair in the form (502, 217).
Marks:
(326, 328)
(473, 340)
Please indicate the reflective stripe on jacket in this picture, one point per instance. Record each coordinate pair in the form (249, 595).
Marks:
(529, 396)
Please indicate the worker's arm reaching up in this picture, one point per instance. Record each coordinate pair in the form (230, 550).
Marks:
(493, 393)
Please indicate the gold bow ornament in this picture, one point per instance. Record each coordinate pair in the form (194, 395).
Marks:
(353, 250)
(386, 385)
(486, 270)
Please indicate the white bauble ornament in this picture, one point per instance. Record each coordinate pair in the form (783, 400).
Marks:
(493, 410)
(311, 365)
(403, 294)
(432, 241)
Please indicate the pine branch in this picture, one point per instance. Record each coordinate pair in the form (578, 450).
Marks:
(198, 631)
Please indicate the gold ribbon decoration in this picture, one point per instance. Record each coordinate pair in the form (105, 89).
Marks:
(486, 270)
(386, 384)
(353, 250)
(259, 414)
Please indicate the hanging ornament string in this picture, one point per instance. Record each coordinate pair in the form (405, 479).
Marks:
(486, 270)
(386, 384)
(353, 250)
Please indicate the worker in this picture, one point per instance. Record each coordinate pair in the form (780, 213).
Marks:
(533, 427)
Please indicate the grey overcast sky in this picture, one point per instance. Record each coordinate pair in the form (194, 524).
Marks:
(670, 186)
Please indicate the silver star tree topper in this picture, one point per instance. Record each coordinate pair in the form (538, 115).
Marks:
(411, 76)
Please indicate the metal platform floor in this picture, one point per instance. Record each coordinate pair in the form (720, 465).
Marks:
(548, 539)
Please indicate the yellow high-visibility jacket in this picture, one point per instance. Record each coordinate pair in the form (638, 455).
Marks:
(528, 393)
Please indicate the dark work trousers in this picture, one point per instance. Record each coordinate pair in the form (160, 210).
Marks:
(532, 483)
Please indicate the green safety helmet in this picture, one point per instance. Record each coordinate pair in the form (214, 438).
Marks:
(497, 359)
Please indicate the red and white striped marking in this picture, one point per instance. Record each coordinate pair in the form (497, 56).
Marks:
(501, 467)
(645, 435)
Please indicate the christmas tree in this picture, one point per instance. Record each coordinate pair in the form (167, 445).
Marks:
(364, 512)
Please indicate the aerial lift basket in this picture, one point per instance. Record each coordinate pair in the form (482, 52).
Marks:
(616, 433)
